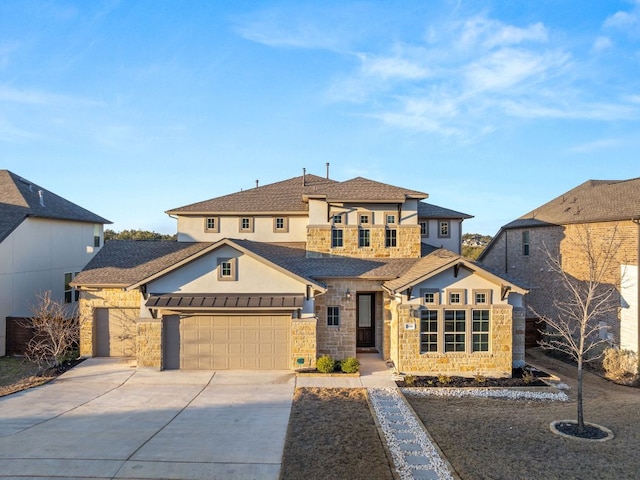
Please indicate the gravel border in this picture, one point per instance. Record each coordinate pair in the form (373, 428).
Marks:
(414, 454)
(484, 392)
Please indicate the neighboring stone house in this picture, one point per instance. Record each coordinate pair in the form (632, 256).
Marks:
(44, 241)
(275, 276)
(602, 207)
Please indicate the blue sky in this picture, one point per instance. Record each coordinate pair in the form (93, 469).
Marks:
(493, 108)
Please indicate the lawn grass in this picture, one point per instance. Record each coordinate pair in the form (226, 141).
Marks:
(19, 374)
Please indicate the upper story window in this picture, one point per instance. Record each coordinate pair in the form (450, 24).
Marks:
(227, 269)
(364, 237)
(391, 238)
(337, 237)
(211, 224)
(70, 294)
(96, 235)
(246, 224)
(364, 219)
(525, 243)
(281, 224)
(337, 219)
(444, 230)
(390, 219)
(424, 229)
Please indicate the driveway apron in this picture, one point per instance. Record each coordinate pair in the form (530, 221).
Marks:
(106, 420)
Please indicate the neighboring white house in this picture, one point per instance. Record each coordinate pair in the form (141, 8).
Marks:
(45, 241)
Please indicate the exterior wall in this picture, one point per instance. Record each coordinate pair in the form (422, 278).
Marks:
(34, 259)
(408, 242)
(495, 363)
(192, 228)
(149, 343)
(201, 276)
(506, 255)
(107, 298)
(340, 341)
(451, 242)
(303, 342)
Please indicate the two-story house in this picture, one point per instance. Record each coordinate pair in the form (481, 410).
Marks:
(45, 241)
(275, 276)
(601, 209)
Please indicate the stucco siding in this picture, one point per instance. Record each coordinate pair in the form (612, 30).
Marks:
(192, 229)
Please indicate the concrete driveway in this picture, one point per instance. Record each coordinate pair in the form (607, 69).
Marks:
(105, 419)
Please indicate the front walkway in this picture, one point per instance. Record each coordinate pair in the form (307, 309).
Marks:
(414, 453)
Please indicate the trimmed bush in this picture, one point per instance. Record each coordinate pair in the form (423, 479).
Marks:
(325, 364)
(350, 365)
(618, 363)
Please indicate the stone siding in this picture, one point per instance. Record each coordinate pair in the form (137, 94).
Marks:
(149, 343)
(408, 242)
(495, 363)
(340, 341)
(101, 298)
(303, 342)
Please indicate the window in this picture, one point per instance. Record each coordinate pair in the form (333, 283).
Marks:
(337, 219)
(428, 331)
(390, 218)
(281, 224)
(68, 289)
(480, 330)
(337, 238)
(211, 224)
(443, 231)
(364, 237)
(481, 297)
(246, 224)
(364, 219)
(456, 297)
(333, 316)
(96, 235)
(390, 237)
(454, 330)
(76, 292)
(424, 229)
(227, 269)
(430, 296)
(525, 243)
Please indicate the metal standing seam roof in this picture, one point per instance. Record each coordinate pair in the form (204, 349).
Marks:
(223, 302)
(21, 198)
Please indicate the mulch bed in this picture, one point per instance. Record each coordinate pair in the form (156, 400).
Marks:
(333, 435)
(520, 378)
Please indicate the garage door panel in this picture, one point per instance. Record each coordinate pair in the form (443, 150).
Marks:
(235, 342)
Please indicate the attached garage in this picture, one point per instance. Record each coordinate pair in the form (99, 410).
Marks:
(223, 342)
(115, 332)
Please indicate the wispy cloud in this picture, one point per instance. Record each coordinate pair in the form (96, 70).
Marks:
(597, 145)
(37, 97)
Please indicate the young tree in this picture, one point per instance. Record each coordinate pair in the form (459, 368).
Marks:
(56, 332)
(583, 299)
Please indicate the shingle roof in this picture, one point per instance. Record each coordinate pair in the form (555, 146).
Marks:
(428, 210)
(592, 201)
(285, 196)
(125, 262)
(437, 261)
(20, 198)
(291, 196)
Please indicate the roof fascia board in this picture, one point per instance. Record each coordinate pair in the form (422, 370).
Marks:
(243, 213)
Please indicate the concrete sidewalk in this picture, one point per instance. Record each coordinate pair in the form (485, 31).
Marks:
(374, 372)
(104, 419)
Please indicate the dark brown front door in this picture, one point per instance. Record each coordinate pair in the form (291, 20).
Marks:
(366, 320)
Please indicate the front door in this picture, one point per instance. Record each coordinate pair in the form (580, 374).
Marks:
(365, 320)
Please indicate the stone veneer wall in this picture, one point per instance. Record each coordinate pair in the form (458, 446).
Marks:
(495, 363)
(408, 242)
(303, 342)
(340, 341)
(101, 298)
(149, 343)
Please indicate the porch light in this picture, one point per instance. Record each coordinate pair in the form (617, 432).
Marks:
(348, 294)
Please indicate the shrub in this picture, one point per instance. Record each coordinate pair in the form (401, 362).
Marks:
(479, 378)
(350, 365)
(409, 380)
(527, 377)
(444, 379)
(618, 363)
(325, 364)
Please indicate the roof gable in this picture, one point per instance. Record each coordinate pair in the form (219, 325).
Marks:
(361, 189)
(20, 198)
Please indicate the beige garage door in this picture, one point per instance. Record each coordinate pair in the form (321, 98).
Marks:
(252, 342)
(115, 332)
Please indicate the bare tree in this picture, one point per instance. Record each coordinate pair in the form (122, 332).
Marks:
(56, 332)
(585, 300)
